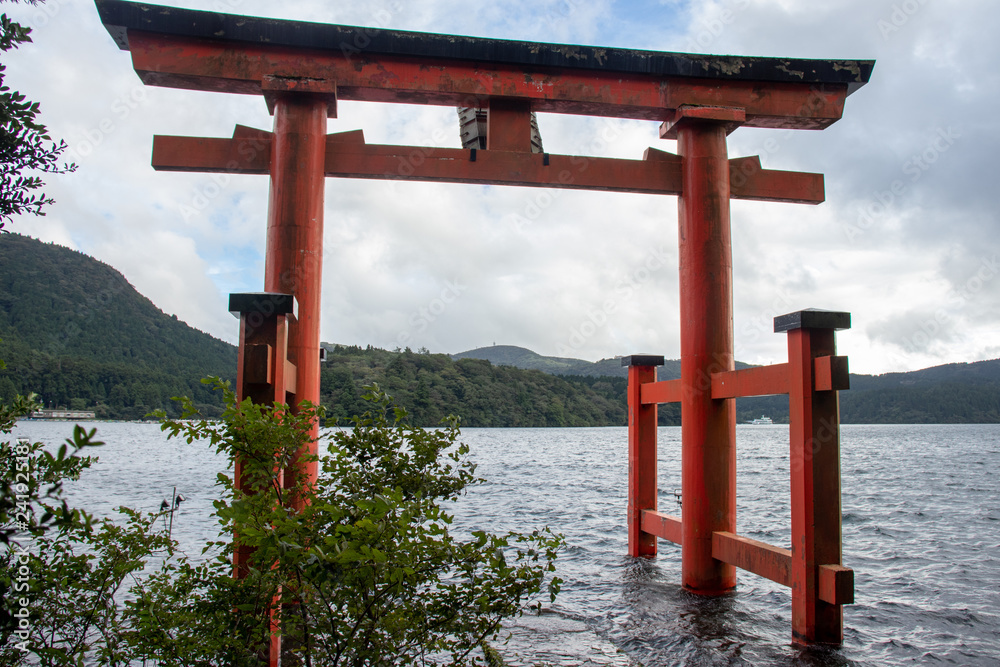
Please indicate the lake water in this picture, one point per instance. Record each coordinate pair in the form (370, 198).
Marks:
(921, 530)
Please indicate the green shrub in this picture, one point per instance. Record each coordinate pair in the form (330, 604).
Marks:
(369, 572)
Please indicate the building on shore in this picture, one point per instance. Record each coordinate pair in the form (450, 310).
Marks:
(62, 413)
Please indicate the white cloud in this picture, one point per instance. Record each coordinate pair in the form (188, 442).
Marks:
(564, 270)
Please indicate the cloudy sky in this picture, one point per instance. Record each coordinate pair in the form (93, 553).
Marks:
(908, 240)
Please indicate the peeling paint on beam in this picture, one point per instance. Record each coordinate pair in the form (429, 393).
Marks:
(121, 17)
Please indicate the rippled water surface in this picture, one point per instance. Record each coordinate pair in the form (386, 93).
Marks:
(921, 530)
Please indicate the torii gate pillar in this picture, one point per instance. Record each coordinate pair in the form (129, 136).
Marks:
(294, 254)
(708, 451)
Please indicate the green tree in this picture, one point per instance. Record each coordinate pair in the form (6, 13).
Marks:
(368, 573)
(369, 570)
(25, 145)
(34, 513)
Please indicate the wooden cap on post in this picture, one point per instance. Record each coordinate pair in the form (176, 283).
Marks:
(264, 303)
(812, 318)
(643, 360)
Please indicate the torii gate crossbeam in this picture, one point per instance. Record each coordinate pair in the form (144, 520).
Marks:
(303, 69)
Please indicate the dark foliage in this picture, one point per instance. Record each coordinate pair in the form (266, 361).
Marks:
(73, 331)
(482, 394)
(26, 149)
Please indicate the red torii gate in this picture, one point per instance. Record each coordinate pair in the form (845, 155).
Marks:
(302, 69)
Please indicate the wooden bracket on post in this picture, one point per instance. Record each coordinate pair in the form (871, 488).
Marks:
(730, 117)
(275, 85)
(508, 125)
(264, 373)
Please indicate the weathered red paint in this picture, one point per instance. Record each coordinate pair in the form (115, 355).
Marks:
(767, 561)
(302, 87)
(294, 256)
(666, 391)
(179, 62)
(708, 437)
(664, 526)
(814, 459)
(758, 381)
(642, 482)
(347, 156)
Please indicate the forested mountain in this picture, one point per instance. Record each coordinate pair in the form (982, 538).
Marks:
(431, 386)
(75, 332)
(519, 357)
(949, 394)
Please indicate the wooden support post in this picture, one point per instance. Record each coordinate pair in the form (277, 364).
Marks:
(265, 376)
(642, 486)
(708, 436)
(508, 125)
(814, 459)
(294, 256)
(263, 373)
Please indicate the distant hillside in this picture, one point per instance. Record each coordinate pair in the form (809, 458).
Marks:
(74, 331)
(949, 394)
(519, 357)
(953, 393)
(431, 386)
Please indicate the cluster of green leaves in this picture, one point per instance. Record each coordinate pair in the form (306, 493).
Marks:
(33, 478)
(369, 570)
(57, 561)
(76, 576)
(360, 567)
(25, 145)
